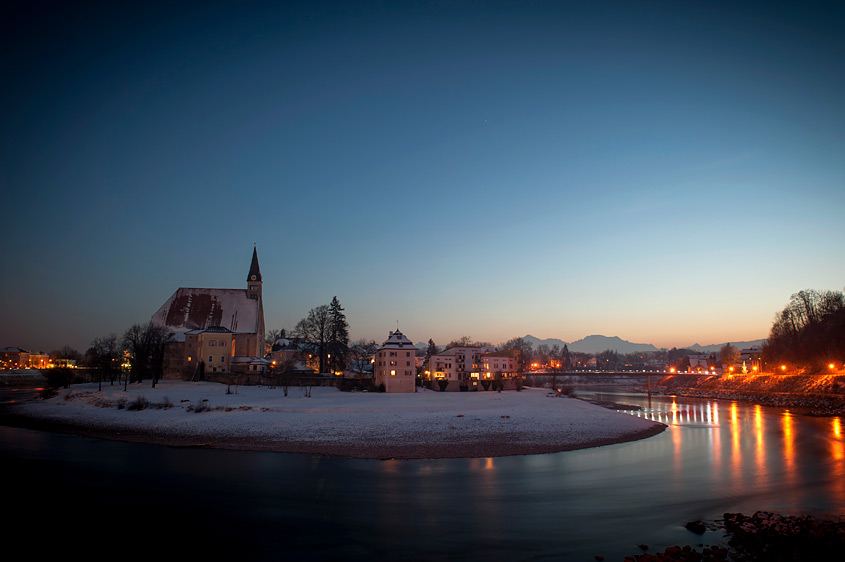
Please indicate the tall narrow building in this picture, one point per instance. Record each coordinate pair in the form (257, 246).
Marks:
(395, 364)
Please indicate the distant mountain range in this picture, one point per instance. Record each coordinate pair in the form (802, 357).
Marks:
(598, 343)
(718, 346)
(594, 344)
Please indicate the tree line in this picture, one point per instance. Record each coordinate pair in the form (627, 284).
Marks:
(809, 332)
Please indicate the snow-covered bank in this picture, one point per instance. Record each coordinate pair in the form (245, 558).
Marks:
(366, 425)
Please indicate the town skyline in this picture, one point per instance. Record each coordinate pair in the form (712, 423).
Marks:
(667, 174)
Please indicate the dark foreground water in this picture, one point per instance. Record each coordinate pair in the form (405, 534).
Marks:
(107, 500)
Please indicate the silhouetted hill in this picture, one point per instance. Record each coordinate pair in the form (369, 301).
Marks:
(717, 346)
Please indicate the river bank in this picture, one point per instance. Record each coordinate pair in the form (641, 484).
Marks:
(360, 425)
(763, 536)
(815, 395)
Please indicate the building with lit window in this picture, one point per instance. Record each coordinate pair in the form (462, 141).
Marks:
(394, 364)
(214, 330)
(474, 368)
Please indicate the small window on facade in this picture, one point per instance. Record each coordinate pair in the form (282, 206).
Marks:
(407, 363)
(214, 369)
(222, 343)
(210, 359)
(212, 343)
(393, 363)
(392, 373)
(222, 359)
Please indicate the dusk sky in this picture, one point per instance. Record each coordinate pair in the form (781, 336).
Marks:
(665, 172)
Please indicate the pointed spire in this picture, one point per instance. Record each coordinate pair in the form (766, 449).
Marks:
(254, 270)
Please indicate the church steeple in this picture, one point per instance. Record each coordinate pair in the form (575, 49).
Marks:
(254, 270)
(253, 279)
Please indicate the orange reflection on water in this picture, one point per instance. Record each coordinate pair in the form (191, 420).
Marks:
(837, 451)
(674, 409)
(715, 434)
(758, 430)
(736, 456)
(788, 445)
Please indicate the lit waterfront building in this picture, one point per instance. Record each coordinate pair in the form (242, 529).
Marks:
(395, 364)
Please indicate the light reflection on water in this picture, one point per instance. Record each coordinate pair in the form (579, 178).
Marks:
(714, 457)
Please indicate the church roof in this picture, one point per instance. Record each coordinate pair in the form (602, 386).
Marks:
(253, 267)
(200, 309)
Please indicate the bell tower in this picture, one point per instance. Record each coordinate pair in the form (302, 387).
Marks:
(253, 279)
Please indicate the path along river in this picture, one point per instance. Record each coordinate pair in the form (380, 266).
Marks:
(103, 498)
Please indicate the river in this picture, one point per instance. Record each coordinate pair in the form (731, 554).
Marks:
(67, 493)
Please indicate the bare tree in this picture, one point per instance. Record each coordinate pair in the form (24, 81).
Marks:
(728, 355)
(315, 329)
(105, 358)
(145, 345)
(362, 350)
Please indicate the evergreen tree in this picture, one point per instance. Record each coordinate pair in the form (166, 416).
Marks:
(338, 336)
(431, 349)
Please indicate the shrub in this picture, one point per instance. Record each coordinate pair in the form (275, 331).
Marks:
(47, 392)
(58, 377)
(201, 406)
(121, 402)
(139, 403)
(165, 404)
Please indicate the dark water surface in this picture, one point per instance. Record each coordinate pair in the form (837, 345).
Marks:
(108, 499)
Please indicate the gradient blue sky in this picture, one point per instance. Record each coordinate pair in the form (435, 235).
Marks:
(668, 172)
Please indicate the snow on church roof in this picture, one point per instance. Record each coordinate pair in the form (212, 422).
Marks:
(198, 309)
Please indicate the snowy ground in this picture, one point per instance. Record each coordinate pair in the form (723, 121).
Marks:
(368, 425)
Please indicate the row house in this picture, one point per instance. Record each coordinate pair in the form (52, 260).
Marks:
(471, 367)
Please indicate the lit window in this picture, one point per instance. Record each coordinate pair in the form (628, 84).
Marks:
(393, 363)
(392, 373)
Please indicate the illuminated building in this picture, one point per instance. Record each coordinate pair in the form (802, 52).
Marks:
(198, 317)
(395, 364)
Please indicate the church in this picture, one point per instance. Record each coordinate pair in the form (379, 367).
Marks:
(214, 330)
